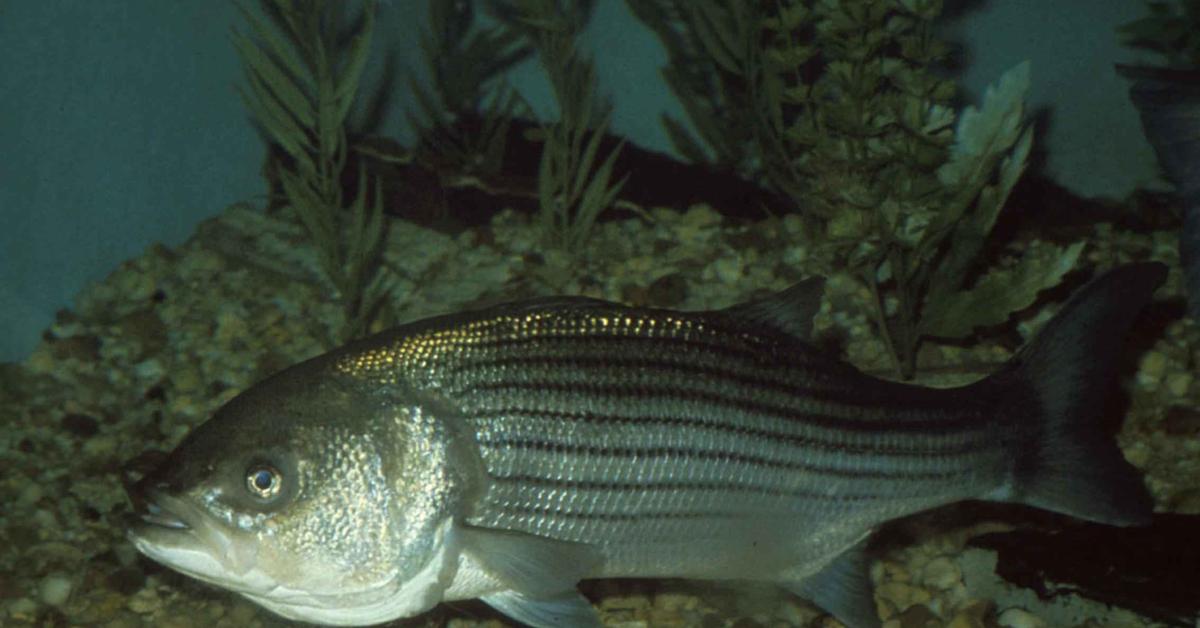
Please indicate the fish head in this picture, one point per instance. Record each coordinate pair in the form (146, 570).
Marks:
(311, 494)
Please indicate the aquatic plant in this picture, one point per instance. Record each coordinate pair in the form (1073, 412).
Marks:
(836, 105)
(302, 81)
(715, 57)
(463, 116)
(574, 184)
(1172, 29)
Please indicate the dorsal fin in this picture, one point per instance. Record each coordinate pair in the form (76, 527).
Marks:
(789, 312)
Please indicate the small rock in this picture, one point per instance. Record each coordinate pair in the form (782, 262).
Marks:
(941, 573)
(101, 608)
(80, 425)
(22, 608)
(890, 570)
(100, 447)
(30, 494)
(1019, 618)
(729, 270)
(1178, 383)
(902, 595)
(82, 348)
(675, 602)
(54, 590)
(1187, 502)
(9, 588)
(145, 601)
(45, 521)
(1152, 368)
(973, 615)
(241, 614)
(917, 616)
(127, 580)
(1181, 421)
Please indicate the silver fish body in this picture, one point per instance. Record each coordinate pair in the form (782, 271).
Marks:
(506, 454)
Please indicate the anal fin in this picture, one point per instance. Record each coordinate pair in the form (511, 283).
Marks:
(569, 608)
(843, 588)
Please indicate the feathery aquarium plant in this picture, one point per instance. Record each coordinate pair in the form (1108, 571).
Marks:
(574, 183)
(1172, 30)
(836, 104)
(464, 114)
(302, 80)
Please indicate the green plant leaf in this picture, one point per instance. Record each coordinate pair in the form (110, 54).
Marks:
(280, 127)
(988, 130)
(282, 50)
(276, 79)
(357, 54)
(711, 29)
(683, 141)
(996, 295)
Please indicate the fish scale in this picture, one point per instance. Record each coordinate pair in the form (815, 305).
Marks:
(586, 429)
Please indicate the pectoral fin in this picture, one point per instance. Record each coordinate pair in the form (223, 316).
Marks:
(540, 575)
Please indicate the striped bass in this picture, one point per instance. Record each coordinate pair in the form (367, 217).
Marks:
(507, 453)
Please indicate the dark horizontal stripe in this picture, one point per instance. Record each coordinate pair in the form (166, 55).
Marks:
(883, 425)
(762, 380)
(651, 422)
(552, 512)
(676, 486)
(572, 449)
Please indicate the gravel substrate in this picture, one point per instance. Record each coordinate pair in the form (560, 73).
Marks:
(166, 338)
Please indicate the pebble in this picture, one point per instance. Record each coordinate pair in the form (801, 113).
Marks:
(973, 615)
(80, 425)
(1019, 618)
(1178, 383)
(675, 602)
(102, 446)
(941, 573)
(241, 614)
(916, 616)
(1182, 421)
(30, 494)
(1153, 366)
(145, 601)
(728, 269)
(1187, 502)
(54, 590)
(902, 595)
(22, 607)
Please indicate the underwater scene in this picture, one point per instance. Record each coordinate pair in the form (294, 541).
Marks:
(842, 358)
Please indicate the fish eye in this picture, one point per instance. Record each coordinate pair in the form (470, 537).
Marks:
(264, 481)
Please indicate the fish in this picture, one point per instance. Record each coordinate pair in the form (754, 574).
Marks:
(509, 452)
(1168, 101)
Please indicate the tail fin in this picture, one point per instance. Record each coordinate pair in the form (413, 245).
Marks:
(1169, 102)
(1070, 465)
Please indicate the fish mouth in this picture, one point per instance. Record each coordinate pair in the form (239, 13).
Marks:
(154, 508)
(181, 535)
(156, 515)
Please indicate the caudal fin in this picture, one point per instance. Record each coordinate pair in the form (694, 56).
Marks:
(1070, 464)
(1169, 102)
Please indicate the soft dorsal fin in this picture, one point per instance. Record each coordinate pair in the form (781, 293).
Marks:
(789, 312)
